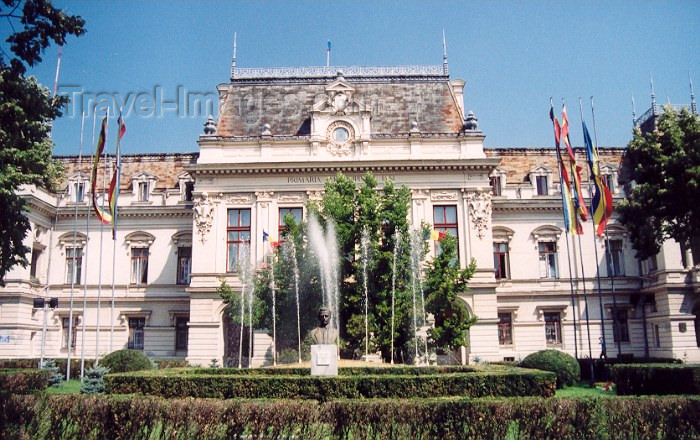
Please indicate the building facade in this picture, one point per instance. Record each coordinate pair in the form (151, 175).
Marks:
(280, 134)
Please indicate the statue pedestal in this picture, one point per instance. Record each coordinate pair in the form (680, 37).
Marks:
(324, 360)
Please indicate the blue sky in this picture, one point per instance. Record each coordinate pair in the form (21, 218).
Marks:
(514, 55)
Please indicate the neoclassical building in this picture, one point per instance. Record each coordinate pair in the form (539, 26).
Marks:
(280, 133)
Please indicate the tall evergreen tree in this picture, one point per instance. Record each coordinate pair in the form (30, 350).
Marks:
(444, 282)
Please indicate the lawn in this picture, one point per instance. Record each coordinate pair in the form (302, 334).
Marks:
(583, 389)
(70, 387)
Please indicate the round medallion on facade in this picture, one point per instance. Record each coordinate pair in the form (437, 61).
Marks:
(340, 135)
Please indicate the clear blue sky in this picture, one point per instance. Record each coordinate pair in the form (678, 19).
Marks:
(513, 55)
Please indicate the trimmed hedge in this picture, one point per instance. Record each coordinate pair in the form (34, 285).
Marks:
(134, 417)
(121, 361)
(656, 379)
(602, 366)
(497, 382)
(60, 363)
(564, 365)
(23, 381)
(344, 371)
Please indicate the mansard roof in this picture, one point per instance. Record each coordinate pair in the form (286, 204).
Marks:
(283, 97)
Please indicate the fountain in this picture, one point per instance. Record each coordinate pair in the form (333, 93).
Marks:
(325, 246)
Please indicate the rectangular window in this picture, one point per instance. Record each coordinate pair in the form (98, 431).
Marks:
(445, 220)
(609, 182)
(505, 329)
(501, 260)
(66, 332)
(139, 266)
(542, 188)
(238, 235)
(496, 185)
(181, 332)
(651, 264)
(657, 337)
(184, 264)
(74, 264)
(189, 189)
(616, 262)
(36, 254)
(548, 259)
(620, 327)
(296, 212)
(78, 192)
(552, 328)
(136, 326)
(143, 192)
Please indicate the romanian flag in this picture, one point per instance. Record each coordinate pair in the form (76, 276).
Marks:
(602, 204)
(437, 235)
(577, 193)
(102, 215)
(568, 208)
(114, 183)
(266, 238)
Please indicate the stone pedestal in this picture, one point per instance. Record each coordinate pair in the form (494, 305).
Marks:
(324, 360)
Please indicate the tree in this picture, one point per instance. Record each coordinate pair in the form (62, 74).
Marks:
(26, 113)
(444, 281)
(663, 193)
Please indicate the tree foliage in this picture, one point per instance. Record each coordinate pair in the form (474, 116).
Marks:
(26, 113)
(444, 281)
(663, 194)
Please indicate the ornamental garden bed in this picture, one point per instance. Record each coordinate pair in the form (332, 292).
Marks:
(289, 383)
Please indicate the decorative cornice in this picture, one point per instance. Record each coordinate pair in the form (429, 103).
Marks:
(357, 73)
(348, 167)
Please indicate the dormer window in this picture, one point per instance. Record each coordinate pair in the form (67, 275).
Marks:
(186, 185)
(78, 192)
(541, 179)
(188, 193)
(142, 186)
(498, 181)
(609, 174)
(143, 192)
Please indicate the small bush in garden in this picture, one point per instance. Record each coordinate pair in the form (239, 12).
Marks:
(122, 361)
(564, 365)
(93, 382)
(288, 356)
(56, 377)
(214, 363)
(22, 381)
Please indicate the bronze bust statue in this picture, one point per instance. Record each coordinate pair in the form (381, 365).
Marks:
(323, 334)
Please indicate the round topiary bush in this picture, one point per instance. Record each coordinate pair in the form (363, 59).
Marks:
(564, 365)
(122, 361)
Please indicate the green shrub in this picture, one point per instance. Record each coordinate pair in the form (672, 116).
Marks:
(656, 378)
(564, 365)
(499, 382)
(137, 417)
(122, 361)
(171, 363)
(23, 381)
(288, 356)
(55, 376)
(93, 382)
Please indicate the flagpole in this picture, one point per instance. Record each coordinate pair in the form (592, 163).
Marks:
(87, 260)
(583, 271)
(608, 257)
(99, 276)
(74, 270)
(562, 183)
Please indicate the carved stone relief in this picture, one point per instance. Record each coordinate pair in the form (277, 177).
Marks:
(442, 196)
(239, 199)
(290, 198)
(480, 211)
(203, 216)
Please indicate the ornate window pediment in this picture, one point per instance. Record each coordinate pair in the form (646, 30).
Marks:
(541, 179)
(77, 187)
(546, 233)
(67, 239)
(139, 239)
(502, 234)
(182, 238)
